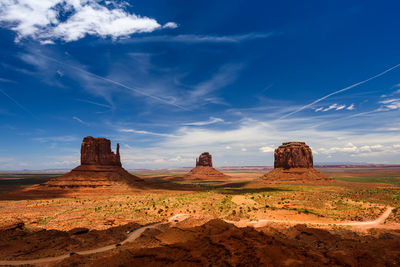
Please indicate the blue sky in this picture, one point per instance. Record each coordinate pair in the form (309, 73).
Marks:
(171, 79)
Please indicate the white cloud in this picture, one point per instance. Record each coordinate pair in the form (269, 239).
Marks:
(333, 106)
(170, 25)
(212, 120)
(351, 107)
(228, 147)
(340, 107)
(244, 149)
(46, 20)
(266, 149)
(391, 104)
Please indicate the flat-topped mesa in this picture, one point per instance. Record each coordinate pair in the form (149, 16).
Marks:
(294, 164)
(293, 155)
(97, 151)
(205, 159)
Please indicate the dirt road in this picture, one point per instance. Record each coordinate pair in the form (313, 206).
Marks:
(363, 225)
(131, 237)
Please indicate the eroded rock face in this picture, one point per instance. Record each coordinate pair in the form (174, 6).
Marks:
(293, 155)
(205, 160)
(97, 151)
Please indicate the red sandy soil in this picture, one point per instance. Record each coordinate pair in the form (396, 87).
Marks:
(296, 175)
(205, 173)
(218, 243)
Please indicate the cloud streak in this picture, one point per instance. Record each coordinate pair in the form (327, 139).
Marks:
(340, 91)
(135, 90)
(212, 120)
(195, 38)
(18, 104)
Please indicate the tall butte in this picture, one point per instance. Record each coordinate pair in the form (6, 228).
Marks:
(204, 169)
(294, 164)
(100, 170)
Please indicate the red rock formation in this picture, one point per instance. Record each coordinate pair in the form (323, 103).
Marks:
(293, 155)
(204, 169)
(97, 151)
(294, 164)
(205, 159)
(100, 168)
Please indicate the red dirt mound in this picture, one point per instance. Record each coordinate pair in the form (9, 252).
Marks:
(205, 173)
(295, 175)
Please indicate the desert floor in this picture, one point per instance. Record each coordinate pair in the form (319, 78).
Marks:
(358, 195)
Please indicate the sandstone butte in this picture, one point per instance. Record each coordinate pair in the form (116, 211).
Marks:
(204, 170)
(294, 164)
(100, 169)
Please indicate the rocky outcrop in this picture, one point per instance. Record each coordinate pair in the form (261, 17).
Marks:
(97, 151)
(205, 159)
(293, 155)
(100, 169)
(294, 164)
(204, 170)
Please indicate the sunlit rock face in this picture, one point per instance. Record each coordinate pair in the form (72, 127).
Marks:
(97, 151)
(205, 159)
(293, 155)
(294, 164)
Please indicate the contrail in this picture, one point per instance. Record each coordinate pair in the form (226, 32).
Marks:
(339, 91)
(115, 82)
(18, 104)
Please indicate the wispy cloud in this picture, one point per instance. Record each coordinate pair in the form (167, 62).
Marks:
(212, 120)
(95, 103)
(43, 63)
(340, 91)
(18, 104)
(69, 20)
(195, 38)
(335, 106)
(3, 80)
(145, 132)
(80, 121)
(65, 138)
(391, 104)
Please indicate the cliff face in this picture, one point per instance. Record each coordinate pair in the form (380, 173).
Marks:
(205, 160)
(293, 155)
(294, 164)
(97, 151)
